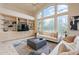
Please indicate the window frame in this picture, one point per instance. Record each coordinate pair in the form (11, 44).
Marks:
(47, 8)
(63, 11)
(55, 16)
(61, 24)
(49, 26)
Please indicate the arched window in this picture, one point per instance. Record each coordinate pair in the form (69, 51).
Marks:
(51, 16)
(48, 21)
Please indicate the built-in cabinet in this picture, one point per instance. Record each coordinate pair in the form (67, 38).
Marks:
(29, 24)
(11, 23)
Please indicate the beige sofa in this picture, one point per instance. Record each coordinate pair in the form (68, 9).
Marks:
(66, 48)
(51, 37)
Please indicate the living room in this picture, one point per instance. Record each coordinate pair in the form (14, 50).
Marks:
(39, 28)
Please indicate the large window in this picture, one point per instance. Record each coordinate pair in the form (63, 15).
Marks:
(48, 25)
(53, 18)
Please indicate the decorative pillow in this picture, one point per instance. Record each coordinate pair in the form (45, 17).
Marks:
(70, 39)
(54, 34)
(62, 48)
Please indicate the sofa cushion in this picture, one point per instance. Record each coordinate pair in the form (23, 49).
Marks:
(54, 34)
(62, 48)
(70, 39)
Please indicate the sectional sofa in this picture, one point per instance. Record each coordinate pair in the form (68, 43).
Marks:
(66, 47)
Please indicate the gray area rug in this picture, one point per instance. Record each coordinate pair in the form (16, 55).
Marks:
(23, 49)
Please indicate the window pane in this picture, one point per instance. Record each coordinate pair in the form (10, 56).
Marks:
(62, 8)
(49, 11)
(39, 26)
(62, 24)
(39, 15)
(48, 25)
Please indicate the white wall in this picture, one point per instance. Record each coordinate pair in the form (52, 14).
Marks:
(14, 13)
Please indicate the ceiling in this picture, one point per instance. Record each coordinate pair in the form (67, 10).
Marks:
(27, 8)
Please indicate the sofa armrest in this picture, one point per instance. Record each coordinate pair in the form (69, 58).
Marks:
(70, 53)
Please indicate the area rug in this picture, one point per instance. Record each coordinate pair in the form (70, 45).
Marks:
(23, 49)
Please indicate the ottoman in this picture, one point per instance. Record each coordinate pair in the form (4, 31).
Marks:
(36, 43)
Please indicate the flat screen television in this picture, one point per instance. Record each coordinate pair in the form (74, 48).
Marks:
(23, 27)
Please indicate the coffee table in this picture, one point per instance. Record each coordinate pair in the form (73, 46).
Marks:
(36, 43)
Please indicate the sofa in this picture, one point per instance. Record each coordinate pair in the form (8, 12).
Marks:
(54, 37)
(67, 47)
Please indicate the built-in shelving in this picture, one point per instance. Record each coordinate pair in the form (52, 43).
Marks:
(10, 26)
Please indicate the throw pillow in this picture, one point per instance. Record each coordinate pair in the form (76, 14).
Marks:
(54, 35)
(70, 39)
(62, 48)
